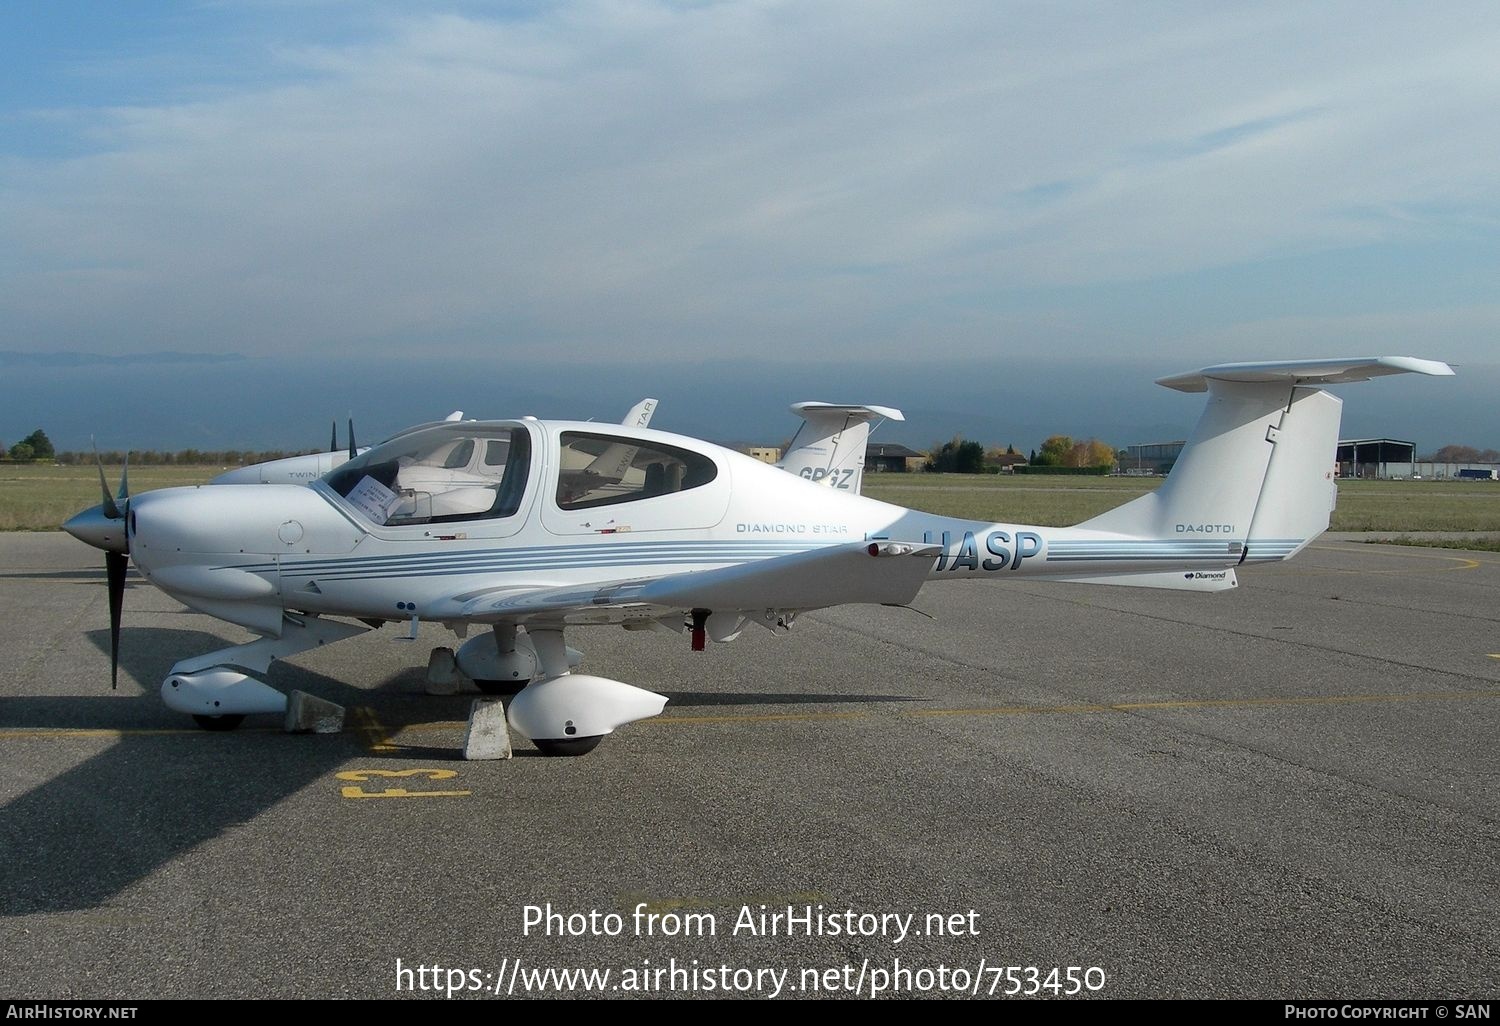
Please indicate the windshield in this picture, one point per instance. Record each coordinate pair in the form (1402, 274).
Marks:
(441, 474)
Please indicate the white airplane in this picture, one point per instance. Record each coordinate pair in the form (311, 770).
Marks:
(530, 541)
(303, 469)
(308, 468)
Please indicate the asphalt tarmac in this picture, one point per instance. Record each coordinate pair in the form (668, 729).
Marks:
(1286, 791)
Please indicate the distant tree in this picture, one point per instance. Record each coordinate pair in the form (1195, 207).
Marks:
(1090, 453)
(1033, 457)
(1055, 452)
(41, 445)
(1463, 454)
(969, 459)
(22, 453)
(1010, 450)
(1455, 454)
(957, 456)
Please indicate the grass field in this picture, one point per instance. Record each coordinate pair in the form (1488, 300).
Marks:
(1024, 499)
(1058, 501)
(40, 498)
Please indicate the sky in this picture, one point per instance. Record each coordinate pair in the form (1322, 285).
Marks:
(1005, 218)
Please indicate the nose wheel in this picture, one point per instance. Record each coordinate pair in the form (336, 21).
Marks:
(228, 721)
(567, 746)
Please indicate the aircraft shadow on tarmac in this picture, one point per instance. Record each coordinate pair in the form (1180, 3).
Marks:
(90, 832)
(689, 699)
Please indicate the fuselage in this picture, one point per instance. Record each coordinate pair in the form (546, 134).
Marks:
(433, 534)
(302, 470)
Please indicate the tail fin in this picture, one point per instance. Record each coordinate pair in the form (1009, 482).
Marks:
(830, 444)
(640, 413)
(1258, 469)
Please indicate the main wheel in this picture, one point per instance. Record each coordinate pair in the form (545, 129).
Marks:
(500, 687)
(228, 721)
(568, 745)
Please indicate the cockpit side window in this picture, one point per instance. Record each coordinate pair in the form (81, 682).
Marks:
(496, 451)
(602, 470)
(460, 455)
(432, 476)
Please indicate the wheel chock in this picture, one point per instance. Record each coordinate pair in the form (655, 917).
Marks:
(442, 672)
(308, 714)
(488, 736)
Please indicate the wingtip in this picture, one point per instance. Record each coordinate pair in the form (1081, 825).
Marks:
(1417, 365)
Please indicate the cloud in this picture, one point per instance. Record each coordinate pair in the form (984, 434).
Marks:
(665, 181)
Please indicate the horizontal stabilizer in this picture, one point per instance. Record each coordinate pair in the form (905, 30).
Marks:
(1171, 580)
(869, 412)
(1313, 372)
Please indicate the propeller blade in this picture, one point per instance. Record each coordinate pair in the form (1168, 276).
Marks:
(123, 497)
(353, 450)
(114, 569)
(110, 509)
(333, 439)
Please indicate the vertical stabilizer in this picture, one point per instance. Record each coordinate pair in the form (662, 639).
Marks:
(1257, 472)
(829, 447)
(1213, 489)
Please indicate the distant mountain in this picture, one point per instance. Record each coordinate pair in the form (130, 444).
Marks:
(178, 401)
(12, 358)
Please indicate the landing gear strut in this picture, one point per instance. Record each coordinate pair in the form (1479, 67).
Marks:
(218, 696)
(567, 714)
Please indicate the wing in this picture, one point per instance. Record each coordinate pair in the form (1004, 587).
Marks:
(882, 572)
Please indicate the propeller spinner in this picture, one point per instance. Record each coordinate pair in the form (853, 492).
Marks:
(106, 526)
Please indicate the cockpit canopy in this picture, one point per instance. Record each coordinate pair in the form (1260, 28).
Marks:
(439, 474)
(468, 470)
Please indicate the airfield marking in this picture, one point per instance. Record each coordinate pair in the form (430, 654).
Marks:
(115, 733)
(1208, 703)
(363, 776)
(760, 717)
(379, 738)
(1024, 710)
(376, 737)
(1465, 563)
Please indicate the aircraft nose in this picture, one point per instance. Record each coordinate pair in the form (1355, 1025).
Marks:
(92, 527)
